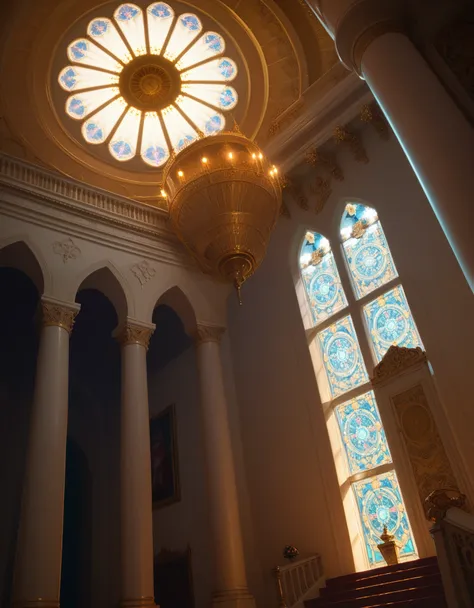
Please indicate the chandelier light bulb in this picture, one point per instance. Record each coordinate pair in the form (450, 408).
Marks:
(204, 160)
(180, 174)
(260, 156)
(254, 155)
(231, 156)
(163, 193)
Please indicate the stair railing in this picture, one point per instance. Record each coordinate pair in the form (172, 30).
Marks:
(453, 534)
(299, 580)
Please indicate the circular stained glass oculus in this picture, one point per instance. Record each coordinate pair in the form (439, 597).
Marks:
(362, 432)
(148, 82)
(381, 509)
(324, 289)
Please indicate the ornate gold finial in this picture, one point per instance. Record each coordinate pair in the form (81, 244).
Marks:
(134, 333)
(372, 114)
(342, 135)
(55, 313)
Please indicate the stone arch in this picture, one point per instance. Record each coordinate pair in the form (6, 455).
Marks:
(104, 277)
(176, 299)
(21, 254)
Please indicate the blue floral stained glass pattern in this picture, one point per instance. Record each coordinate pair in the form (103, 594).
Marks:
(320, 277)
(380, 504)
(342, 358)
(366, 249)
(214, 125)
(390, 321)
(362, 433)
(127, 12)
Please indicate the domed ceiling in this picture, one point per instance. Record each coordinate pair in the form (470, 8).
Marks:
(105, 93)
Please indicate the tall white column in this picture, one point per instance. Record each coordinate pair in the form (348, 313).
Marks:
(437, 139)
(230, 577)
(435, 136)
(135, 470)
(37, 579)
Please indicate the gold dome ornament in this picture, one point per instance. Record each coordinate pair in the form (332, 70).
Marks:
(224, 199)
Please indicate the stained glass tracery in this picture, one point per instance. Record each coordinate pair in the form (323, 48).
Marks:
(200, 76)
(362, 433)
(390, 321)
(341, 356)
(366, 249)
(380, 504)
(320, 277)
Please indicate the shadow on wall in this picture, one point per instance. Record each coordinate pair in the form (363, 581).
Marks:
(18, 351)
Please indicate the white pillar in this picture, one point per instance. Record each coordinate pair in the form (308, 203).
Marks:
(37, 578)
(135, 470)
(437, 139)
(230, 577)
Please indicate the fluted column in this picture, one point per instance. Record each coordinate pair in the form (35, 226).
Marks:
(438, 141)
(135, 469)
(230, 577)
(37, 579)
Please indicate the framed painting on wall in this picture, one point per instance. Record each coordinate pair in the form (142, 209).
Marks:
(164, 458)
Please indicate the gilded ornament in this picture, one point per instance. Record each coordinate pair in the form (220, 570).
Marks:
(316, 257)
(372, 114)
(317, 159)
(358, 229)
(208, 333)
(58, 314)
(224, 210)
(321, 188)
(440, 501)
(342, 135)
(133, 333)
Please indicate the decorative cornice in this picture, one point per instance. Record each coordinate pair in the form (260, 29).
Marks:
(132, 332)
(316, 158)
(60, 314)
(396, 360)
(207, 333)
(372, 114)
(68, 193)
(342, 135)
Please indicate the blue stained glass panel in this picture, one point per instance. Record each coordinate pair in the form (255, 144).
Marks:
(380, 504)
(366, 249)
(342, 358)
(320, 277)
(362, 433)
(390, 321)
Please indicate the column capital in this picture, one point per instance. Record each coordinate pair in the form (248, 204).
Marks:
(134, 332)
(56, 312)
(207, 333)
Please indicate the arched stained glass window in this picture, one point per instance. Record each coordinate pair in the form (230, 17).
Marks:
(320, 277)
(367, 252)
(357, 430)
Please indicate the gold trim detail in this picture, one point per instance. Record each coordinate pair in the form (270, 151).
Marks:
(208, 333)
(132, 333)
(60, 315)
(371, 113)
(396, 360)
(368, 36)
(342, 135)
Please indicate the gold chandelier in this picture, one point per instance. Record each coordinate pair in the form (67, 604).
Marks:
(224, 199)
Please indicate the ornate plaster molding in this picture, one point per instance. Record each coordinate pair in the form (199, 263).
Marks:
(143, 271)
(316, 158)
(396, 360)
(371, 113)
(342, 135)
(208, 333)
(57, 313)
(321, 189)
(133, 332)
(67, 249)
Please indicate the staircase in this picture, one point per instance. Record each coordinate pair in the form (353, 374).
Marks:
(409, 585)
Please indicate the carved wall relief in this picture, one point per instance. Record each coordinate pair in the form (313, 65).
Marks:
(429, 461)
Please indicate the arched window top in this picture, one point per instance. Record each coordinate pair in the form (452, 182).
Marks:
(365, 246)
(320, 277)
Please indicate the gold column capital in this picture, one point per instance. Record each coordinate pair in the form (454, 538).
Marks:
(58, 313)
(207, 333)
(134, 332)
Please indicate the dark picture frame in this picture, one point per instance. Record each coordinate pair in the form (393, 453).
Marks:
(165, 487)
